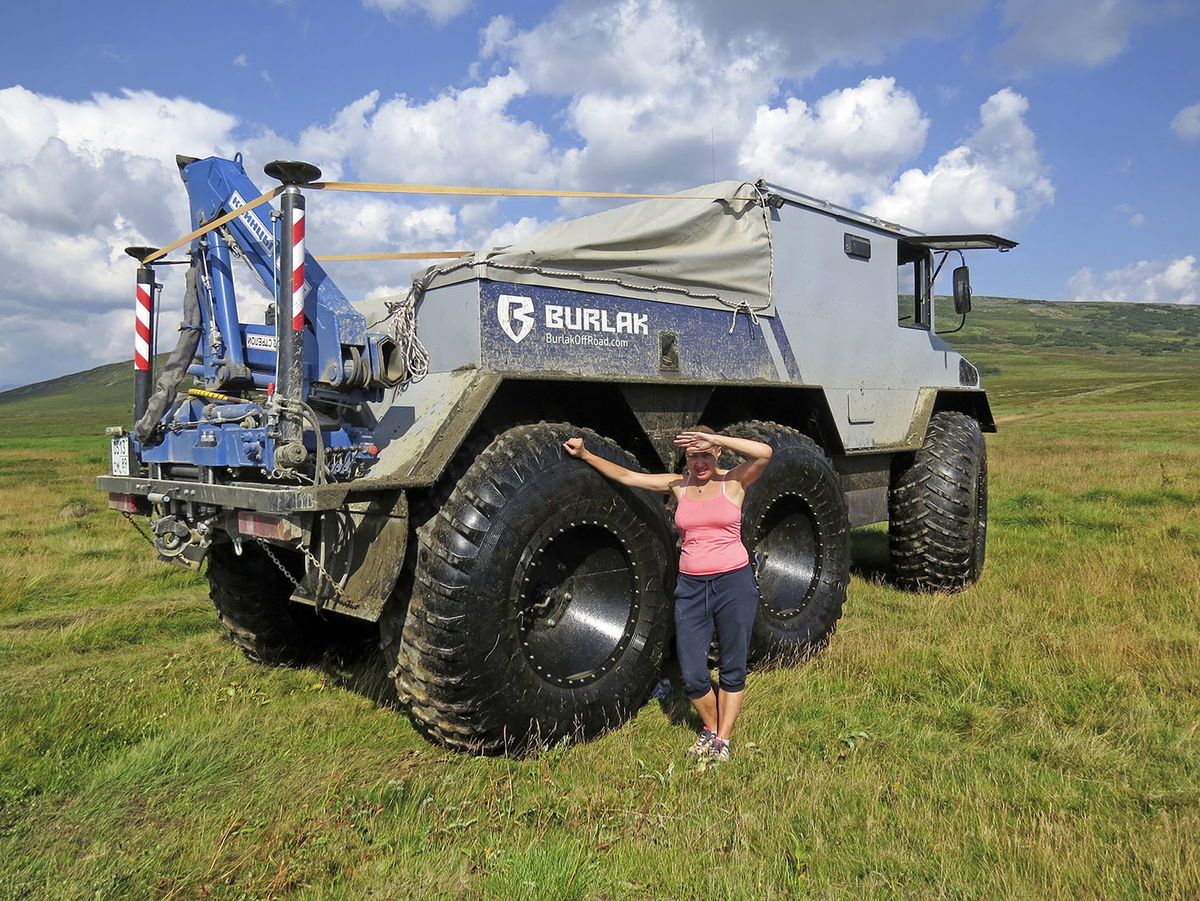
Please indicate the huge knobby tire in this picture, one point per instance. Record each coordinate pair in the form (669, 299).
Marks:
(937, 531)
(251, 596)
(795, 525)
(538, 608)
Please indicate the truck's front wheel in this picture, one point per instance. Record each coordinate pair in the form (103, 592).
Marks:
(938, 507)
(538, 609)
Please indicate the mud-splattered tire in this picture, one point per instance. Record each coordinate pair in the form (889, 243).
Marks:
(795, 525)
(937, 531)
(538, 609)
(251, 596)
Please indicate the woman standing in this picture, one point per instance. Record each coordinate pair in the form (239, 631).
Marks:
(716, 588)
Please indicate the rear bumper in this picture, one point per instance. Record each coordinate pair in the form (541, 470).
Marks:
(282, 500)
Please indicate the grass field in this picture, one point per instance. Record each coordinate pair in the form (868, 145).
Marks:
(1033, 737)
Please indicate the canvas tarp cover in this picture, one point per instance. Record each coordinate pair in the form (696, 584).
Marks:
(709, 248)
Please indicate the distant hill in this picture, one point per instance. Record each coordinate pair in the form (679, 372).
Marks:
(1143, 328)
(81, 403)
(107, 376)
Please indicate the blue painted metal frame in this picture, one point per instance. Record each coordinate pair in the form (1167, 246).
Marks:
(197, 438)
(246, 353)
(216, 186)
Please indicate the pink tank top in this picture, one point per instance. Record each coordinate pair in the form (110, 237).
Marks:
(712, 535)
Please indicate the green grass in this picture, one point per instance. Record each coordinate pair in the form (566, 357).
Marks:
(1033, 737)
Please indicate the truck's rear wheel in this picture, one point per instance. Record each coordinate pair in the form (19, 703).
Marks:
(538, 609)
(251, 596)
(794, 523)
(937, 531)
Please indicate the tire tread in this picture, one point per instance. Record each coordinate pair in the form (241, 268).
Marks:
(935, 541)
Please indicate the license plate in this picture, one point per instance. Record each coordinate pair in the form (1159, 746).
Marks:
(120, 456)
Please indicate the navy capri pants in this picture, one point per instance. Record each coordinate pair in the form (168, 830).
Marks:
(727, 603)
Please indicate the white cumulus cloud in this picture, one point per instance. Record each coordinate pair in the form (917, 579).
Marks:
(798, 39)
(1186, 123)
(79, 181)
(1147, 281)
(849, 143)
(652, 98)
(634, 94)
(1136, 219)
(992, 182)
(466, 136)
(1086, 33)
(439, 11)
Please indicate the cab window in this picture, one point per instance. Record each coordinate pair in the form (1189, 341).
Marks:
(914, 286)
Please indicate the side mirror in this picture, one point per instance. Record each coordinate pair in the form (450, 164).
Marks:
(962, 290)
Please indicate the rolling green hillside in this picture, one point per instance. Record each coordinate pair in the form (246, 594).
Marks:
(1028, 350)
(81, 403)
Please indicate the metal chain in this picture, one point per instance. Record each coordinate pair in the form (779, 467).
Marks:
(133, 522)
(337, 590)
(279, 563)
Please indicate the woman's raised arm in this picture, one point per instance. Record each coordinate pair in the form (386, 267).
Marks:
(649, 481)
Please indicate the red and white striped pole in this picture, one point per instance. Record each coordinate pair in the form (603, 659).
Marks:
(291, 322)
(289, 382)
(143, 343)
(298, 263)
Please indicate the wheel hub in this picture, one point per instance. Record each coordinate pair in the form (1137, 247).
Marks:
(576, 602)
(788, 552)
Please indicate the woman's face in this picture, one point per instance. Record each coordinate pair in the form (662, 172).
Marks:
(702, 464)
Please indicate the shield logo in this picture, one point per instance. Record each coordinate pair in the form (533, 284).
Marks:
(515, 315)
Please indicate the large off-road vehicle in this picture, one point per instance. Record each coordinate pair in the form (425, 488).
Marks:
(411, 473)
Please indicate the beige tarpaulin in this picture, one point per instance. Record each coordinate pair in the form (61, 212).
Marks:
(710, 247)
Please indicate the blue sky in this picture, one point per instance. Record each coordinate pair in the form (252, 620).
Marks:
(1070, 126)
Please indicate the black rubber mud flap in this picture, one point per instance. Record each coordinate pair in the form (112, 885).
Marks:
(795, 525)
(937, 532)
(538, 608)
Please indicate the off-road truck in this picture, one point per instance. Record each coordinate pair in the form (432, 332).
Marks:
(410, 472)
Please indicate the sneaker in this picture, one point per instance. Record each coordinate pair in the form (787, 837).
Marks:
(717, 750)
(700, 748)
